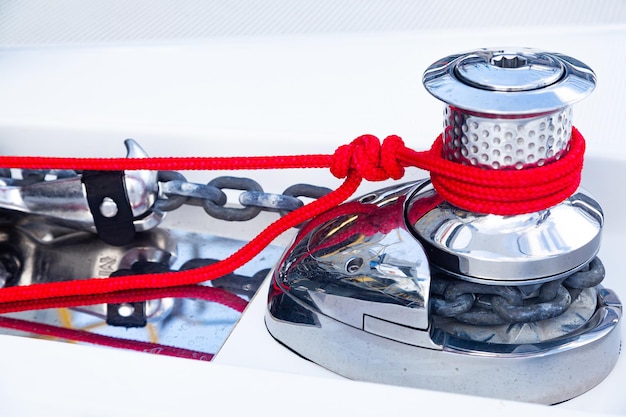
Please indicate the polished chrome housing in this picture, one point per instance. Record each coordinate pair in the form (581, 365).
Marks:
(506, 250)
(546, 373)
(351, 294)
(509, 81)
(362, 265)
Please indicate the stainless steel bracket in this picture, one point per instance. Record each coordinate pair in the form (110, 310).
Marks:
(65, 201)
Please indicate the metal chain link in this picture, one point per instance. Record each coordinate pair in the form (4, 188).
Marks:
(176, 191)
(488, 305)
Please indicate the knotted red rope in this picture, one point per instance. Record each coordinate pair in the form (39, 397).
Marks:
(501, 192)
(369, 159)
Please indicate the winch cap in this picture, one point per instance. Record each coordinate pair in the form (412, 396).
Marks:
(509, 81)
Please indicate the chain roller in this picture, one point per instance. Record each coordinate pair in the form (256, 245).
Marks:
(175, 191)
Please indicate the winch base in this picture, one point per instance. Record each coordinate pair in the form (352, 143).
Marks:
(548, 373)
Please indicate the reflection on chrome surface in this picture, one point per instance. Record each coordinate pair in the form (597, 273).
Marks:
(358, 293)
(537, 247)
(359, 258)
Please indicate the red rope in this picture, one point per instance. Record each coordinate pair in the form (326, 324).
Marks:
(200, 292)
(503, 192)
(168, 163)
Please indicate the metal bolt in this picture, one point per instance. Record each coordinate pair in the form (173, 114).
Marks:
(125, 310)
(108, 207)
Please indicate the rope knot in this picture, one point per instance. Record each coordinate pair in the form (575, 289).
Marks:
(371, 160)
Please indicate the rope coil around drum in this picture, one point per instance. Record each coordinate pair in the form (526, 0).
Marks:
(506, 192)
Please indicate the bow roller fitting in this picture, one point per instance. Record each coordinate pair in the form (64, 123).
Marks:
(509, 109)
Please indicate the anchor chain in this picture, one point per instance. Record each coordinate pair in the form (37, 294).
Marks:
(176, 191)
(489, 305)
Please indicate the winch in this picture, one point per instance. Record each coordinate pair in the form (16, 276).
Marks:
(402, 286)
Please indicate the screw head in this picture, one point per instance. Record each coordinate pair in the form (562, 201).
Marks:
(508, 71)
(108, 207)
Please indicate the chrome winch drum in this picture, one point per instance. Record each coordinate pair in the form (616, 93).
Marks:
(402, 287)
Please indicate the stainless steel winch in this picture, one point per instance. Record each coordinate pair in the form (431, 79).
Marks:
(402, 287)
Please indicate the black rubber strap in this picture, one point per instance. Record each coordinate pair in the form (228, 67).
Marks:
(133, 314)
(118, 229)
